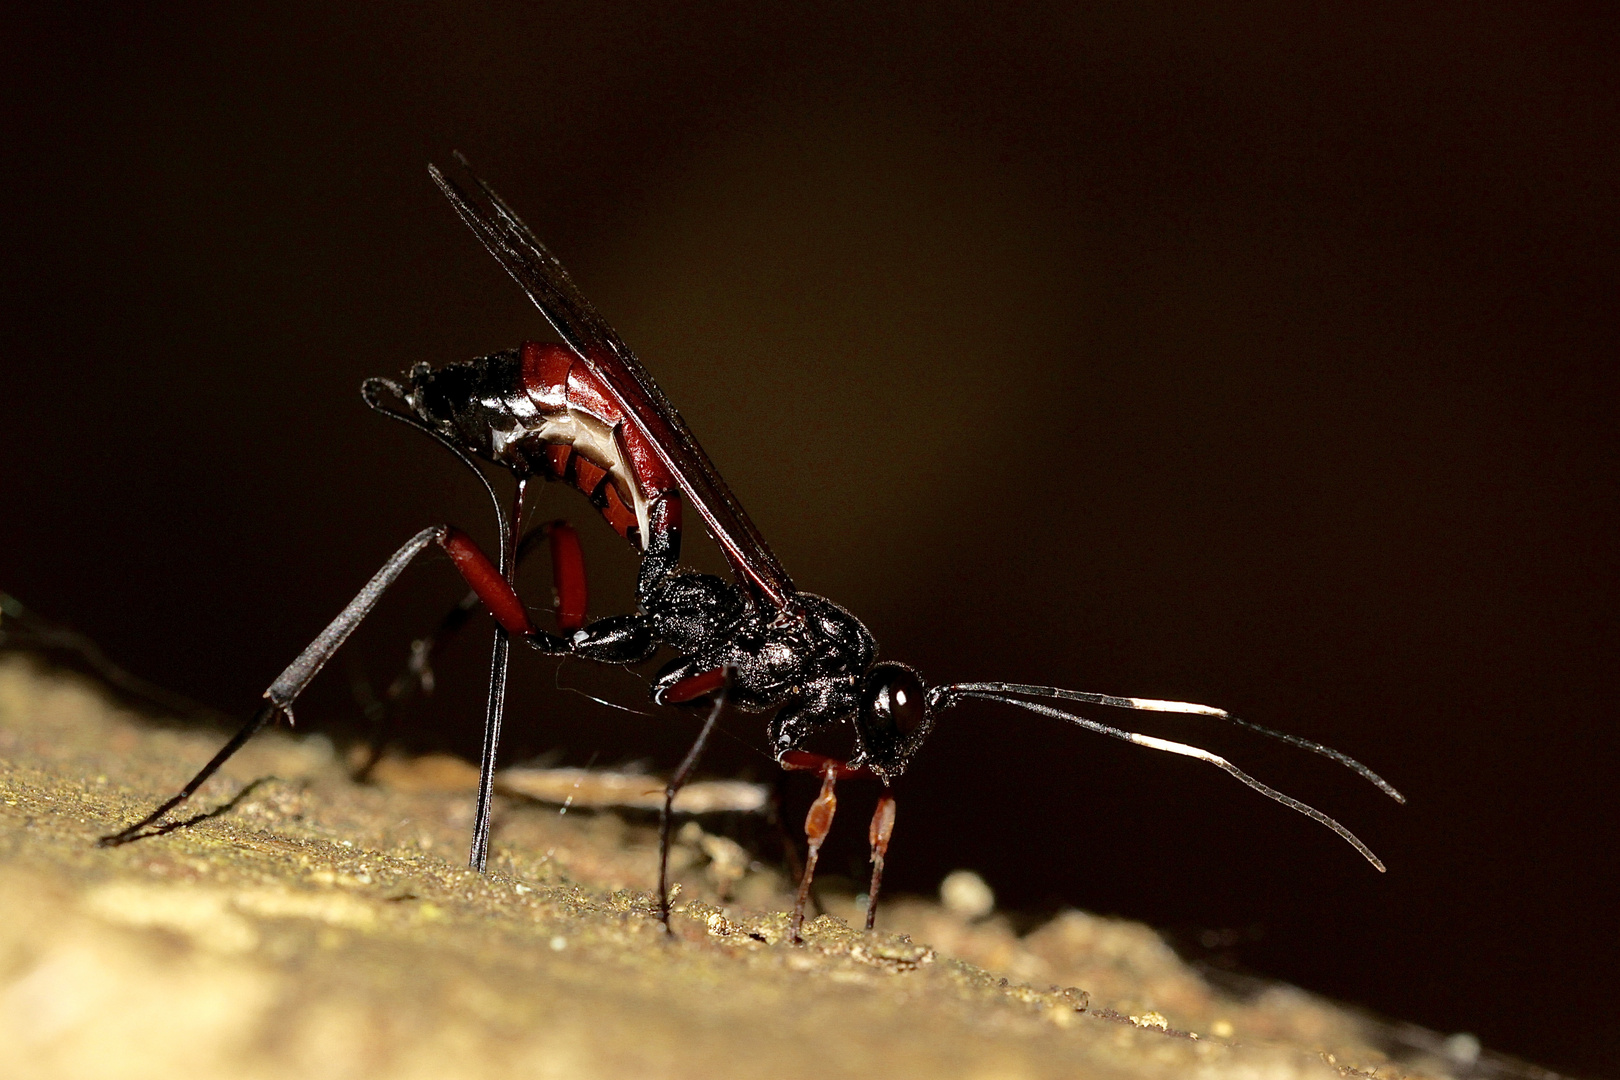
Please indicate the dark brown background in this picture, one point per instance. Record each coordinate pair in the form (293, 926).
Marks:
(1262, 358)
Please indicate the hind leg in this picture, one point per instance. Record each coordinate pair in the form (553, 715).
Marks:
(475, 568)
(568, 579)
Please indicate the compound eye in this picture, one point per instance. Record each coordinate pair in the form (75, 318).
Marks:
(894, 700)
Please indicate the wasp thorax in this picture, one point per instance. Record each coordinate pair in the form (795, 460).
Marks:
(893, 717)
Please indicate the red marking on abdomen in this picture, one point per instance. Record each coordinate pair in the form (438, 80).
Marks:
(557, 380)
(655, 478)
(545, 374)
(618, 515)
(666, 514)
(557, 455)
(588, 475)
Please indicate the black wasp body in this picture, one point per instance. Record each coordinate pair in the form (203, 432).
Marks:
(540, 411)
(586, 413)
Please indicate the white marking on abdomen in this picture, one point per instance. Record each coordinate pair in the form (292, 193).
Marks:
(595, 441)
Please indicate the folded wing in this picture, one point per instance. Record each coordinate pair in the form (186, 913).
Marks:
(540, 275)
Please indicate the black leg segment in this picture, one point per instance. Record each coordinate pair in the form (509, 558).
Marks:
(291, 682)
(673, 788)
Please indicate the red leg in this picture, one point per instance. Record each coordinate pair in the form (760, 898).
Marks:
(567, 574)
(486, 581)
(568, 571)
(495, 711)
(881, 829)
(501, 600)
(693, 687)
(475, 567)
(817, 824)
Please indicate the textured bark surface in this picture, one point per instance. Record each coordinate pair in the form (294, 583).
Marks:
(308, 926)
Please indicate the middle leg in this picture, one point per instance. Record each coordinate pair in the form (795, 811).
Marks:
(676, 782)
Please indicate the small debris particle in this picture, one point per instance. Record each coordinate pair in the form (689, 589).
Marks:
(1463, 1048)
(600, 789)
(1151, 1020)
(965, 894)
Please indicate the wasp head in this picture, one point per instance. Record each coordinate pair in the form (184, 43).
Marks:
(892, 720)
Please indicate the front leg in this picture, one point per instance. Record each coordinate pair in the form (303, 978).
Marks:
(817, 824)
(879, 832)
